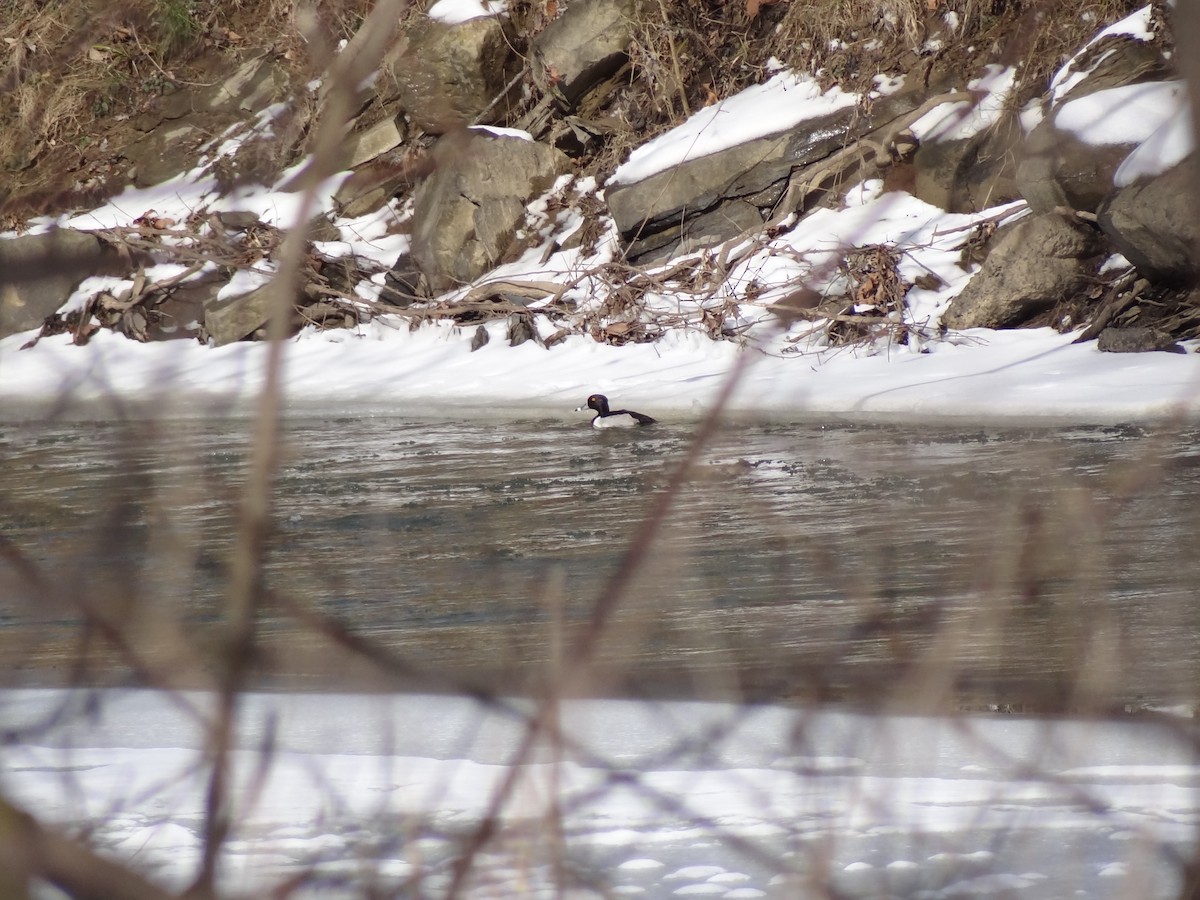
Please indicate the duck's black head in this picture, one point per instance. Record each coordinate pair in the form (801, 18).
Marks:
(599, 403)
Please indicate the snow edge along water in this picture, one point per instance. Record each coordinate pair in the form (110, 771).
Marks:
(385, 366)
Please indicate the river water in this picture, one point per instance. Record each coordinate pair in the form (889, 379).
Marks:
(1048, 568)
(902, 572)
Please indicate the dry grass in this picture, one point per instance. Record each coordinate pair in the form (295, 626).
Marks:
(848, 41)
(44, 88)
(73, 74)
(688, 54)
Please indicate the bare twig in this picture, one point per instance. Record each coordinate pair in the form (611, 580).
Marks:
(31, 850)
(354, 64)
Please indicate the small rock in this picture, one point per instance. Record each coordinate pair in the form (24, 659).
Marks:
(480, 339)
(1136, 340)
(363, 146)
(402, 286)
(238, 219)
(231, 319)
(520, 330)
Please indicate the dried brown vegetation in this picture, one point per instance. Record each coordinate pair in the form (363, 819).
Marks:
(74, 78)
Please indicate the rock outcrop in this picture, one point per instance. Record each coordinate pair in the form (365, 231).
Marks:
(1070, 158)
(469, 210)
(39, 272)
(1155, 223)
(584, 45)
(1101, 217)
(660, 209)
(1096, 192)
(450, 75)
(1033, 265)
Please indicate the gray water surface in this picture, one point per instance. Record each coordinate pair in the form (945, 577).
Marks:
(1017, 567)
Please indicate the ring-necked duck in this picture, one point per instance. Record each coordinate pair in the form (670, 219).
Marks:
(613, 418)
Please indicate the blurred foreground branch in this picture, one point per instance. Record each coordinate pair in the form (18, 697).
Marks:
(31, 851)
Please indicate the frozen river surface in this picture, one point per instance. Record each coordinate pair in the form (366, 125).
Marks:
(344, 795)
(798, 560)
(884, 568)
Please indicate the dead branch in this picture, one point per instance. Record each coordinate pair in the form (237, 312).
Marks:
(31, 850)
(531, 290)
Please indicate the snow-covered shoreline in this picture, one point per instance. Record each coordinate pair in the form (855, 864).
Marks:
(391, 364)
(384, 369)
(354, 791)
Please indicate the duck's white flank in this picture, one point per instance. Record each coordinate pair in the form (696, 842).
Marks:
(615, 421)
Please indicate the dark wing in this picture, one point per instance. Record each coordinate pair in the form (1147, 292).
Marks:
(640, 417)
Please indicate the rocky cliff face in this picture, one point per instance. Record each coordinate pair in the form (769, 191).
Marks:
(578, 88)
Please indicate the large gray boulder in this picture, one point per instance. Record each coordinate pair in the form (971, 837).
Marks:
(583, 46)
(39, 272)
(446, 76)
(1059, 169)
(367, 143)
(723, 222)
(1036, 263)
(969, 174)
(468, 211)
(744, 171)
(233, 319)
(1155, 223)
